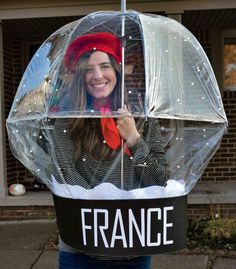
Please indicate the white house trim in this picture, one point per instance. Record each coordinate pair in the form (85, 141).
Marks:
(3, 177)
(36, 9)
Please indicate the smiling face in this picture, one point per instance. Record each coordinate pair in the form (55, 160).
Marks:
(100, 76)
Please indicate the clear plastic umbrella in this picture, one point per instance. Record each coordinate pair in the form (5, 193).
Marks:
(167, 83)
(164, 83)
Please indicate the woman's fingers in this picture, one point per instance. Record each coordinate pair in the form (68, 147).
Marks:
(127, 128)
(124, 111)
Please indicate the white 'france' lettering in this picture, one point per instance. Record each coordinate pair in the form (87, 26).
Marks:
(84, 226)
(166, 225)
(140, 232)
(118, 222)
(149, 224)
(100, 227)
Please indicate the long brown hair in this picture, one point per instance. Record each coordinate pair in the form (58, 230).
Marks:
(86, 132)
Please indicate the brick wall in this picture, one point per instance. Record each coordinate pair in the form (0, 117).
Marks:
(8, 93)
(26, 212)
(203, 211)
(223, 165)
(13, 49)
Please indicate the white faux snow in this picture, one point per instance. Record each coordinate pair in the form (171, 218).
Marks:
(108, 191)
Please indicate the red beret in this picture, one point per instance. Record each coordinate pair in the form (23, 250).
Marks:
(100, 41)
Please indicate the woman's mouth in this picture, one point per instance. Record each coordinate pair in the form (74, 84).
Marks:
(100, 85)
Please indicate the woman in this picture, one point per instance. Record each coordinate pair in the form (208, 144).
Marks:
(95, 59)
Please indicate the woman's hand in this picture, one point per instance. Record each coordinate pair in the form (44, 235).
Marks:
(127, 128)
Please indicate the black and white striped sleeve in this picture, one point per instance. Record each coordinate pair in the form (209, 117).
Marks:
(149, 156)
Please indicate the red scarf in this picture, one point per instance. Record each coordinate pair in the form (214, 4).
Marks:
(109, 130)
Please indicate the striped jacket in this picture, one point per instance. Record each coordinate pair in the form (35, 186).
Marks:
(146, 166)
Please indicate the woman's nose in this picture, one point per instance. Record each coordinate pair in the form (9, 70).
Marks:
(97, 73)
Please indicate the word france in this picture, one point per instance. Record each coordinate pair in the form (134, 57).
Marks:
(147, 227)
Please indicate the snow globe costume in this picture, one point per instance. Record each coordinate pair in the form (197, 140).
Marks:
(125, 200)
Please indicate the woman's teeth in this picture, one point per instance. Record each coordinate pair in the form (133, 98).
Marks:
(99, 85)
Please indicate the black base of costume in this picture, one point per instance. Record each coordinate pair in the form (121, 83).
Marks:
(123, 227)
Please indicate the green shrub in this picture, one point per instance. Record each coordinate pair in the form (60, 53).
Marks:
(214, 234)
(221, 229)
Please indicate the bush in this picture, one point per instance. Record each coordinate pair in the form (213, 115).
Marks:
(213, 233)
(221, 229)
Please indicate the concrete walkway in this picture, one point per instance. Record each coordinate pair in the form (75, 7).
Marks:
(23, 247)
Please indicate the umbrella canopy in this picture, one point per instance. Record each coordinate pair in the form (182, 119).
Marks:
(165, 81)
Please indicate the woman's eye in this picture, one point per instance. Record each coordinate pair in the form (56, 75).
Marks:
(89, 70)
(106, 66)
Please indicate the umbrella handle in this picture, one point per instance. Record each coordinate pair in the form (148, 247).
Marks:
(123, 10)
(123, 6)
(122, 165)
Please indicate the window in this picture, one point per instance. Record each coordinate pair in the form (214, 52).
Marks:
(30, 49)
(230, 64)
